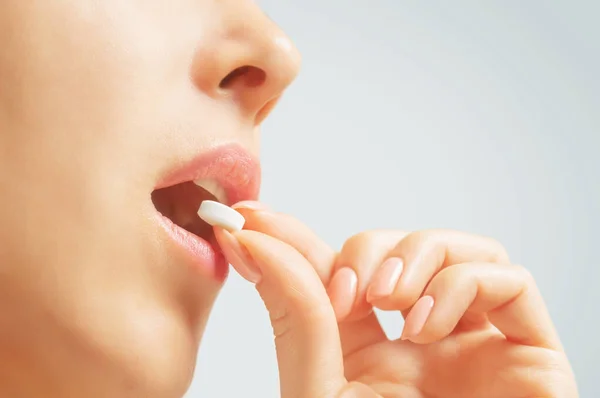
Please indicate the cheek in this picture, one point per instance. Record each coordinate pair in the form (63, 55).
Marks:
(78, 240)
(113, 305)
(81, 124)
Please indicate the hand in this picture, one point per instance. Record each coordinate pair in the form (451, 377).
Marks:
(475, 325)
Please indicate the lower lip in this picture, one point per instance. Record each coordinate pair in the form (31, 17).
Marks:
(205, 257)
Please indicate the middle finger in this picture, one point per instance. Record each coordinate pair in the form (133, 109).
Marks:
(423, 254)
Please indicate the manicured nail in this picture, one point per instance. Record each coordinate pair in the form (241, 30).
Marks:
(342, 292)
(238, 256)
(385, 279)
(250, 205)
(415, 321)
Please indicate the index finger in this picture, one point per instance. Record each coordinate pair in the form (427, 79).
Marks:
(291, 231)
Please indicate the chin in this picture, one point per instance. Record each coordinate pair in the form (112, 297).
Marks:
(150, 353)
(158, 365)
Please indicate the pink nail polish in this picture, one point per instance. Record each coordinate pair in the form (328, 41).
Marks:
(385, 279)
(250, 205)
(417, 317)
(238, 256)
(342, 292)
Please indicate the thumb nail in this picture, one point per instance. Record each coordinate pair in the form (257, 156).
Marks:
(250, 205)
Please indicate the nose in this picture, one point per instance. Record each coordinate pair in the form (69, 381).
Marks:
(246, 59)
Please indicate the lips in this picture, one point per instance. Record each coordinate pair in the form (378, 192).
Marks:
(228, 174)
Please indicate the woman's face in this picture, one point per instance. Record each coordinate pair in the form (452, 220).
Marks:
(104, 107)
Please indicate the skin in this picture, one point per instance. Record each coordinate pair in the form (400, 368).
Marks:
(486, 334)
(97, 101)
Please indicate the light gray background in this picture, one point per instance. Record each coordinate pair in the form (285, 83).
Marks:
(474, 115)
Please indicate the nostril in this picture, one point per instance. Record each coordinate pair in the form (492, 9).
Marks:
(248, 76)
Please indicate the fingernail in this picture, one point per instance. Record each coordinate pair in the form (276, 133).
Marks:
(415, 321)
(342, 292)
(250, 205)
(238, 256)
(385, 279)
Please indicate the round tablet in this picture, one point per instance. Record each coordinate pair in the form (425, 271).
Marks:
(219, 215)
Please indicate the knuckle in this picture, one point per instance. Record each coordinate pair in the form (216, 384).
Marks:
(375, 238)
(423, 240)
(461, 282)
(460, 275)
(280, 323)
(425, 237)
(526, 275)
(500, 254)
(361, 239)
(437, 240)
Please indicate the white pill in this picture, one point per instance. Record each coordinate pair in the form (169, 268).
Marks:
(219, 215)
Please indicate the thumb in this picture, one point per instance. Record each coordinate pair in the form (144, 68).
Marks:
(307, 339)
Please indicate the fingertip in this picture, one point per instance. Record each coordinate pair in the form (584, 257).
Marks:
(236, 254)
(417, 317)
(342, 291)
(385, 279)
(250, 205)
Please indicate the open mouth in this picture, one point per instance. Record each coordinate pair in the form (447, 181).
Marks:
(226, 174)
(180, 203)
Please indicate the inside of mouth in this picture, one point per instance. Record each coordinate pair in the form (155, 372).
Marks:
(180, 204)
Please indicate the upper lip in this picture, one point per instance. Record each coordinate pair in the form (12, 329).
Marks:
(230, 166)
